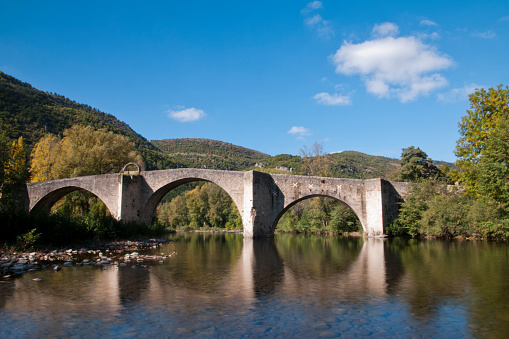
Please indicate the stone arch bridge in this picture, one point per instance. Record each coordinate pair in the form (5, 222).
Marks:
(261, 198)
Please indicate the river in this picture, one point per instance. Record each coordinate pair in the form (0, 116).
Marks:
(222, 285)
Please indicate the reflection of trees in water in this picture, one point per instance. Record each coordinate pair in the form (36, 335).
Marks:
(202, 260)
(314, 256)
(6, 291)
(472, 272)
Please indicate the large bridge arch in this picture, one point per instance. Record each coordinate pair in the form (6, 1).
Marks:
(295, 202)
(159, 183)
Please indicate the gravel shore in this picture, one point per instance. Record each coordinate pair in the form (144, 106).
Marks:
(115, 253)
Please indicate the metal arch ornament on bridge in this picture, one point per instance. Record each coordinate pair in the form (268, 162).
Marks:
(261, 198)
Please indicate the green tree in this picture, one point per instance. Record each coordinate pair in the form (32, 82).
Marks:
(493, 167)
(4, 152)
(416, 166)
(486, 109)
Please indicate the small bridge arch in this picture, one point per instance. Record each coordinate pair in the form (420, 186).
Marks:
(43, 195)
(295, 202)
(159, 183)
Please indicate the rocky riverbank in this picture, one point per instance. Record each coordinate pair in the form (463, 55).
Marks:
(120, 253)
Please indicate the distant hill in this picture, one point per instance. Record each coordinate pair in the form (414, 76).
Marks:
(31, 113)
(206, 153)
(357, 165)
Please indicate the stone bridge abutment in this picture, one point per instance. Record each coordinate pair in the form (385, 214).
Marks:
(261, 198)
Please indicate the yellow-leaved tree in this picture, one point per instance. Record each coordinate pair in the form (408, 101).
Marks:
(82, 151)
(15, 168)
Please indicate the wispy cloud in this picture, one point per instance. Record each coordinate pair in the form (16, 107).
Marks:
(484, 35)
(187, 114)
(402, 67)
(299, 131)
(427, 22)
(312, 6)
(315, 21)
(332, 100)
(504, 19)
(384, 30)
(457, 94)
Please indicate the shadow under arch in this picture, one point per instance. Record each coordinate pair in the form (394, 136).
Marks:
(156, 197)
(46, 202)
(295, 202)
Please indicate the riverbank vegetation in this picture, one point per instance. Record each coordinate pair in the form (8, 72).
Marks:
(478, 206)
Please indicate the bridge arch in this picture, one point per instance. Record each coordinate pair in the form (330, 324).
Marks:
(305, 197)
(52, 197)
(44, 194)
(231, 184)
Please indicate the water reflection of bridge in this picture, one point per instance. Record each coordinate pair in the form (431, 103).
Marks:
(259, 271)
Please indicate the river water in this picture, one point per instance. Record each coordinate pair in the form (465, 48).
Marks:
(222, 285)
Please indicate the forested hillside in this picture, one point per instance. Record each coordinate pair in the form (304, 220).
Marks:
(357, 165)
(206, 153)
(31, 113)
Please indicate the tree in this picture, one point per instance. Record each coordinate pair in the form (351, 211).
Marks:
(487, 107)
(15, 168)
(4, 152)
(416, 166)
(315, 161)
(493, 168)
(45, 156)
(82, 151)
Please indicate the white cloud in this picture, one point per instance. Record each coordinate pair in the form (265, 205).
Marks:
(312, 6)
(321, 26)
(424, 36)
(187, 114)
(384, 30)
(504, 18)
(300, 131)
(332, 100)
(484, 35)
(458, 94)
(315, 21)
(427, 22)
(401, 67)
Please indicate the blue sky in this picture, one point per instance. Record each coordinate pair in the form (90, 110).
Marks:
(369, 76)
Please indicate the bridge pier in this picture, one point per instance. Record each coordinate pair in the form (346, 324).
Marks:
(129, 197)
(263, 201)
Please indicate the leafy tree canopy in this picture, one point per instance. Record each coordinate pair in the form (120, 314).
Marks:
(487, 107)
(416, 166)
(82, 151)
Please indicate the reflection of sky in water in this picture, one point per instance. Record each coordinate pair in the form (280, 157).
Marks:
(236, 287)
